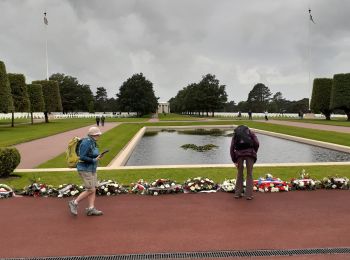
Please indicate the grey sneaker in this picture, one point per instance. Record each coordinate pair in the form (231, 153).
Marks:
(93, 212)
(73, 207)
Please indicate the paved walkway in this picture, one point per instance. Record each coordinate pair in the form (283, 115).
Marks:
(176, 223)
(334, 128)
(36, 152)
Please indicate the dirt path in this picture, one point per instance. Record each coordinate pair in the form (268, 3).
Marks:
(340, 129)
(36, 152)
(176, 223)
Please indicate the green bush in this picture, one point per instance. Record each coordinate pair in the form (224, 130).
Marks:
(321, 96)
(340, 96)
(9, 160)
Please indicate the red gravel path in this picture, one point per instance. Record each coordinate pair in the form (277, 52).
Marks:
(176, 223)
(41, 150)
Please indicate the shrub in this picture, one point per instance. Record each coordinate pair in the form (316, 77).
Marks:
(9, 160)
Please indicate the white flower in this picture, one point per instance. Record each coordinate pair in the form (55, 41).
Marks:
(202, 181)
(286, 188)
(167, 185)
(255, 188)
(108, 194)
(173, 184)
(161, 186)
(266, 189)
(209, 187)
(81, 187)
(197, 187)
(60, 196)
(334, 186)
(43, 189)
(190, 184)
(72, 193)
(301, 184)
(155, 193)
(192, 188)
(60, 186)
(274, 189)
(109, 181)
(261, 190)
(106, 189)
(269, 175)
(153, 183)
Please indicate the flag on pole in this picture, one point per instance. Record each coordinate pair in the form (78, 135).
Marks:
(45, 19)
(311, 19)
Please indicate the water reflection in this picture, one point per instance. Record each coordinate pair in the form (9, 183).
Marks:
(164, 148)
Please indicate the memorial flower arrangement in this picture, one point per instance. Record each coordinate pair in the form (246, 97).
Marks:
(6, 191)
(335, 182)
(228, 185)
(140, 187)
(68, 190)
(164, 186)
(37, 189)
(199, 184)
(305, 182)
(110, 188)
(270, 184)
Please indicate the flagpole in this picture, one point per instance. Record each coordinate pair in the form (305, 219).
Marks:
(46, 55)
(309, 57)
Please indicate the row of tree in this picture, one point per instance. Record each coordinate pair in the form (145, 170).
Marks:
(209, 96)
(64, 93)
(202, 97)
(329, 94)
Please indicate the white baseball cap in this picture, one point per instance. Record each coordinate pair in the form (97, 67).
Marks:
(94, 131)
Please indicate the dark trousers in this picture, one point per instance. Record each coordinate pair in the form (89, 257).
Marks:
(249, 181)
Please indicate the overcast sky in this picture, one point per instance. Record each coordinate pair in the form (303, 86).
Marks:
(175, 42)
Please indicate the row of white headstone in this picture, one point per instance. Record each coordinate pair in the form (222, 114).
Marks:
(40, 115)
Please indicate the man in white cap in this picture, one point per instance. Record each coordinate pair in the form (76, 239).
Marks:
(87, 166)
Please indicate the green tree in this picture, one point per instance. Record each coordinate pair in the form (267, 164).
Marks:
(137, 95)
(19, 92)
(340, 95)
(75, 97)
(6, 102)
(52, 97)
(214, 94)
(101, 99)
(36, 97)
(321, 96)
(259, 97)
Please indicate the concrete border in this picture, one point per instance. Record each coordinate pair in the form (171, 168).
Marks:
(118, 163)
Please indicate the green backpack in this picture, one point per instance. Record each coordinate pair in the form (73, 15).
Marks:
(72, 152)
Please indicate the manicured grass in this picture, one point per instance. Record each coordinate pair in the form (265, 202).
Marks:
(126, 177)
(336, 122)
(113, 140)
(178, 117)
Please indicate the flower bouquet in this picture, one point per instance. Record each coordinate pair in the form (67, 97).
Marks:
(335, 183)
(199, 184)
(164, 186)
(270, 184)
(68, 190)
(140, 187)
(228, 185)
(37, 189)
(304, 182)
(5, 191)
(110, 188)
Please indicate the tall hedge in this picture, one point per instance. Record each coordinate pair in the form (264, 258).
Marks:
(321, 96)
(340, 97)
(52, 97)
(6, 103)
(36, 97)
(19, 92)
(9, 160)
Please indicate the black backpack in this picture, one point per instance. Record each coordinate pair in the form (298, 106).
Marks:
(242, 138)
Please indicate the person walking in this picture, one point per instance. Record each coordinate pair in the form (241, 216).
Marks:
(97, 120)
(266, 116)
(244, 148)
(103, 120)
(87, 168)
(250, 114)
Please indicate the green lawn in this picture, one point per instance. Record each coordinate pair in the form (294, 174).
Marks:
(178, 117)
(113, 140)
(336, 122)
(126, 177)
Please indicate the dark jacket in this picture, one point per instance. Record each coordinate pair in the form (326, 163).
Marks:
(250, 152)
